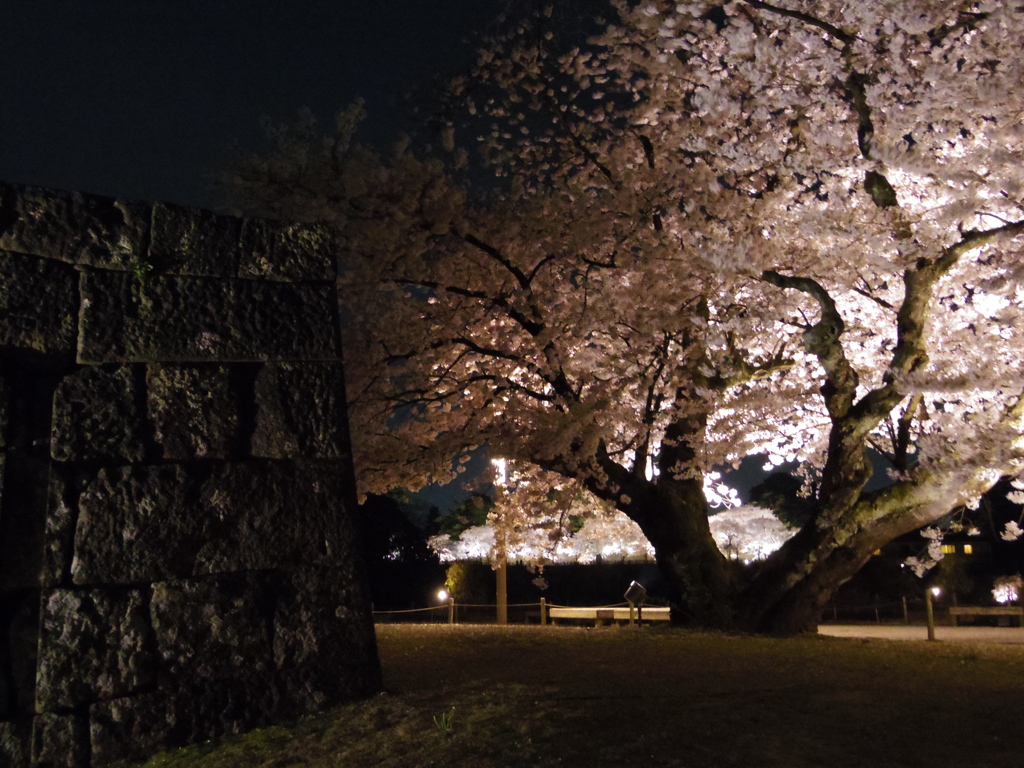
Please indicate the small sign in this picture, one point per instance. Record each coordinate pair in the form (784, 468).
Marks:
(636, 594)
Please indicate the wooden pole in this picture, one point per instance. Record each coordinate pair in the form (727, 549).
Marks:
(502, 580)
(544, 612)
(451, 610)
(929, 613)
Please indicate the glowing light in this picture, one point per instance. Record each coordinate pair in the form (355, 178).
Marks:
(442, 595)
(500, 472)
(1007, 589)
(936, 591)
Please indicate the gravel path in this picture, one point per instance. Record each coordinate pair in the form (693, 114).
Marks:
(1011, 635)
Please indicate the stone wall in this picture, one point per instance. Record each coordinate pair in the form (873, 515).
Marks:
(176, 549)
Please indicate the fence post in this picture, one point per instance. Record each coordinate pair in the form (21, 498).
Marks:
(906, 614)
(544, 612)
(451, 610)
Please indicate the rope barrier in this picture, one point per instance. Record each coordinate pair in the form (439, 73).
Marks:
(416, 610)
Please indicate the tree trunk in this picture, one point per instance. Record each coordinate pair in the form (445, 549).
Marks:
(673, 516)
(789, 594)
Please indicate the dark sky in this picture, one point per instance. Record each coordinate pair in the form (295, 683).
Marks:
(141, 99)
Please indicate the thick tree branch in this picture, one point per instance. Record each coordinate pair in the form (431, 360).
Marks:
(823, 340)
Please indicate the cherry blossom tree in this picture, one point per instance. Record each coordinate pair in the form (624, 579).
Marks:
(716, 230)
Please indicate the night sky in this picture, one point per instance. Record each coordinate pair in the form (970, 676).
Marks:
(142, 99)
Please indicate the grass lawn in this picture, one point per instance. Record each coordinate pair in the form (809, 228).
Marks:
(489, 697)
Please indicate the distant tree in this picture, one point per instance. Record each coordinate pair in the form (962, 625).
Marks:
(718, 229)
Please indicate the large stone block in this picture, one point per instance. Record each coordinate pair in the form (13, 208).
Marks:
(157, 523)
(93, 645)
(196, 319)
(274, 514)
(23, 521)
(301, 412)
(58, 546)
(190, 241)
(16, 743)
(137, 524)
(213, 628)
(209, 709)
(324, 640)
(60, 741)
(193, 410)
(98, 415)
(38, 304)
(73, 227)
(276, 250)
(132, 728)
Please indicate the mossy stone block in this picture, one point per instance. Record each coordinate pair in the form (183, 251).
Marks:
(196, 319)
(97, 415)
(277, 250)
(193, 411)
(38, 304)
(94, 645)
(191, 241)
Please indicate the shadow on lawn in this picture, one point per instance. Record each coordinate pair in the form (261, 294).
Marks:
(491, 697)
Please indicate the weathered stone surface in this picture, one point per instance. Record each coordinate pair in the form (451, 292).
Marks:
(60, 741)
(131, 728)
(196, 319)
(213, 628)
(189, 241)
(156, 523)
(73, 227)
(324, 640)
(276, 250)
(301, 412)
(38, 304)
(93, 645)
(15, 743)
(193, 411)
(137, 524)
(267, 515)
(22, 522)
(97, 414)
(59, 539)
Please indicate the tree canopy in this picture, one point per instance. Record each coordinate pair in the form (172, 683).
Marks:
(715, 229)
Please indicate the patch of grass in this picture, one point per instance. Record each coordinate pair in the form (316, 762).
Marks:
(539, 696)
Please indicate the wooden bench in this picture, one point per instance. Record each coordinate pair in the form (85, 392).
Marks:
(605, 615)
(1003, 610)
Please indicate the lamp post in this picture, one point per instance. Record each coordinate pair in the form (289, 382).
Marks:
(928, 593)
